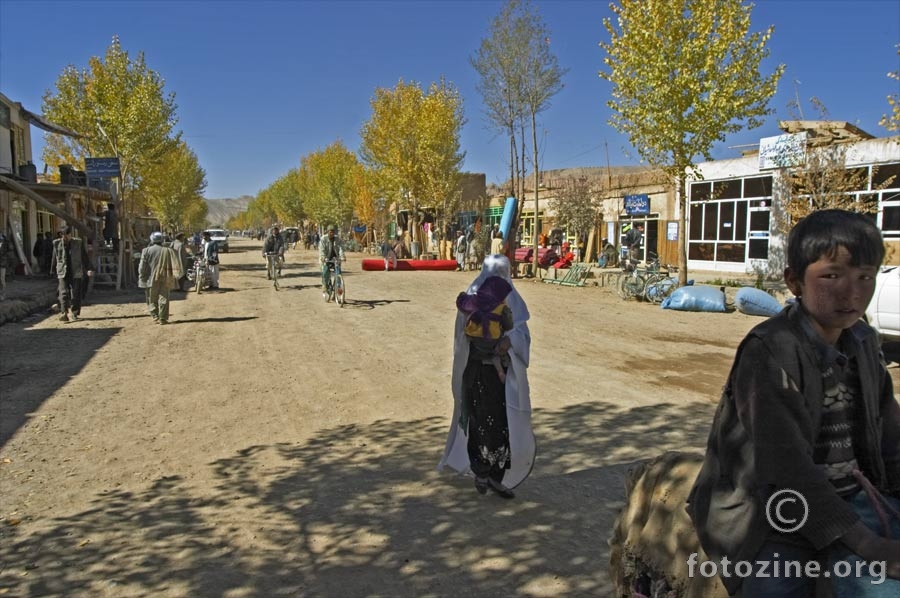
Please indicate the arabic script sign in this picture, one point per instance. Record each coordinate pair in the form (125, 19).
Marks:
(782, 151)
(99, 168)
(637, 204)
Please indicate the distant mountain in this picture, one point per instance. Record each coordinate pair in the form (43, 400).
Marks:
(220, 210)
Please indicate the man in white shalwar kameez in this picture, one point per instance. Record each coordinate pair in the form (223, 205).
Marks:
(518, 403)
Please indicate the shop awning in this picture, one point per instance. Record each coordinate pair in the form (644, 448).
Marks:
(41, 123)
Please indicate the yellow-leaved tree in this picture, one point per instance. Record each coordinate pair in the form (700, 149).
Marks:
(411, 144)
(172, 189)
(120, 108)
(684, 75)
(891, 121)
(326, 182)
(368, 207)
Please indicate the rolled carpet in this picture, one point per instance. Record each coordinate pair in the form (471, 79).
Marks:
(374, 265)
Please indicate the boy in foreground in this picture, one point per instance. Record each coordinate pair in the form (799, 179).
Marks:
(803, 459)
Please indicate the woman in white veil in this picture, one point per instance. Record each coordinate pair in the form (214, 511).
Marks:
(458, 453)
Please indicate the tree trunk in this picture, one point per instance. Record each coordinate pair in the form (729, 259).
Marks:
(534, 231)
(681, 199)
(512, 162)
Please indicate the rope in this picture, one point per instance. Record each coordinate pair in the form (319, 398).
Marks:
(882, 507)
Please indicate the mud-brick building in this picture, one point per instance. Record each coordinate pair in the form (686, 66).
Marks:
(29, 208)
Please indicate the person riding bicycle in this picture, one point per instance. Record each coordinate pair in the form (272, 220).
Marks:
(331, 254)
(274, 243)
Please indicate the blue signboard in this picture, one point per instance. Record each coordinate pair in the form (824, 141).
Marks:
(637, 204)
(99, 168)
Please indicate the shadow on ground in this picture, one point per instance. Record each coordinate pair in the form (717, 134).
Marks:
(41, 366)
(357, 510)
(372, 303)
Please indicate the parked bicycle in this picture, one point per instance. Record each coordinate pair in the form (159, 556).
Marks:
(652, 283)
(335, 288)
(661, 286)
(273, 268)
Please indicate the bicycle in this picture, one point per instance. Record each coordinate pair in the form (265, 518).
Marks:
(273, 268)
(335, 288)
(651, 283)
(661, 285)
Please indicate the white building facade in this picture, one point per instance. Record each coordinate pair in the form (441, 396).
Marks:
(735, 210)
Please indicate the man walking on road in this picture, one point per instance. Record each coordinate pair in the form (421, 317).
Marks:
(71, 263)
(158, 273)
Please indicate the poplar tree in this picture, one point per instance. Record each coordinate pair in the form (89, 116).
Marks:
(518, 75)
(891, 121)
(120, 108)
(326, 183)
(685, 73)
(172, 189)
(411, 145)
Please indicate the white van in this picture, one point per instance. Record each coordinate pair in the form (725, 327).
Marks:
(884, 310)
(220, 236)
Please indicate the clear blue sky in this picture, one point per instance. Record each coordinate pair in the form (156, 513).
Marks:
(259, 84)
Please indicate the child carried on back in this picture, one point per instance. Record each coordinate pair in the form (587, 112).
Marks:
(488, 317)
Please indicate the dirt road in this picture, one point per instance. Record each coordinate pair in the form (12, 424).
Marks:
(269, 444)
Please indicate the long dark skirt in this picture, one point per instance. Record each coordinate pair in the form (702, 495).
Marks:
(488, 430)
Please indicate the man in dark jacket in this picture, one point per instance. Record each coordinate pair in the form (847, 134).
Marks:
(634, 239)
(71, 264)
(274, 243)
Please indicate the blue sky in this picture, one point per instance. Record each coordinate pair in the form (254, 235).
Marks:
(259, 84)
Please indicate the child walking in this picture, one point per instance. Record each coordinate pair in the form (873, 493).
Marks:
(803, 459)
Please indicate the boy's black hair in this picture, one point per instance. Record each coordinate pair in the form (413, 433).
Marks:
(822, 232)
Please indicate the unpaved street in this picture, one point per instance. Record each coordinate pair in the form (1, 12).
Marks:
(269, 444)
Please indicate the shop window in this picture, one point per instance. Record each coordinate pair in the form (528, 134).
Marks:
(860, 173)
(702, 251)
(696, 222)
(710, 221)
(730, 252)
(727, 189)
(740, 221)
(883, 173)
(890, 221)
(759, 220)
(726, 221)
(700, 191)
(758, 187)
(758, 249)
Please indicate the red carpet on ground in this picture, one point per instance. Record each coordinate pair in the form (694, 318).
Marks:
(373, 265)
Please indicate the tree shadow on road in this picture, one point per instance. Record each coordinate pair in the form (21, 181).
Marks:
(360, 508)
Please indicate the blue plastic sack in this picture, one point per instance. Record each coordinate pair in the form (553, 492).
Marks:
(756, 302)
(695, 298)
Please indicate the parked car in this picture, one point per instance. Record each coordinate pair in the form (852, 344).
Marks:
(220, 236)
(884, 310)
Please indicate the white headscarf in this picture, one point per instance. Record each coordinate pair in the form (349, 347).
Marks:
(518, 401)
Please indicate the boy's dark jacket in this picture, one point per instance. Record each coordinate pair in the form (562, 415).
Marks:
(764, 431)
